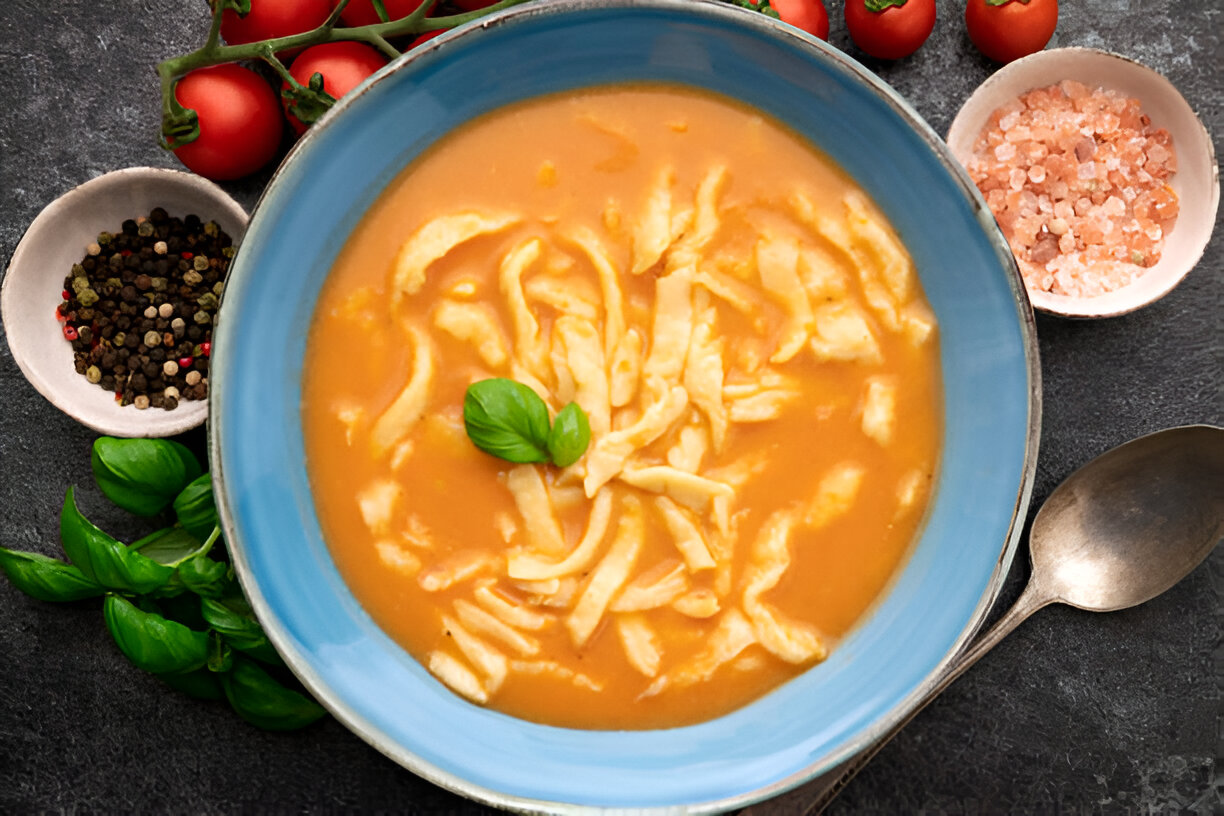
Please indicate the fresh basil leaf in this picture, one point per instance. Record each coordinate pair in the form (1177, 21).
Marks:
(570, 435)
(507, 419)
(152, 642)
(201, 684)
(173, 588)
(261, 650)
(46, 578)
(264, 702)
(195, 508)
(230, 616)
(169, 547)
(142, 475)
(233, 619)
(220, 655)
(105, 560)
(204, 576)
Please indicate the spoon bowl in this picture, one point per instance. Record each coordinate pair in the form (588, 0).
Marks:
(1132, 522)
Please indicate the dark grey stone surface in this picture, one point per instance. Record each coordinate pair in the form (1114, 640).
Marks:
(1074, 713)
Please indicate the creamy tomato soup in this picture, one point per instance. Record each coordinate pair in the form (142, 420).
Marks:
(759, 368)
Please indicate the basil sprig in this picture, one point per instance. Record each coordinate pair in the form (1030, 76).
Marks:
(507, 419)
(172, 607)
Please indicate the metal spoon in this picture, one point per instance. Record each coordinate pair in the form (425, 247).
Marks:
(1118, 532)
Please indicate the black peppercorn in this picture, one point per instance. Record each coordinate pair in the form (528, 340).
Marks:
(140, 307)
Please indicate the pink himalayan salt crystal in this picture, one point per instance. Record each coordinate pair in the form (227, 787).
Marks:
(1078, 180)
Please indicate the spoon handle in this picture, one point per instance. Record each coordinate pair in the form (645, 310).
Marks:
(1032, 599)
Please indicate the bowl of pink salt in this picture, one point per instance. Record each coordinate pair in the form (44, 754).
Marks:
(1099, 173)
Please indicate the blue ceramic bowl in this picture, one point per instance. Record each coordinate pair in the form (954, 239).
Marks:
(991, 399)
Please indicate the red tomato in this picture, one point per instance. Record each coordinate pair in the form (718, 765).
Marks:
(809, 15)
(273, 18)
(343, 65)
(890, 29)
(472, 5)
(240, 122)
(1006, 30)
(427, 36)
(361, 12)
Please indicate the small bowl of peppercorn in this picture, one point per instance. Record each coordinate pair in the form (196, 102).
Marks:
(110, 298)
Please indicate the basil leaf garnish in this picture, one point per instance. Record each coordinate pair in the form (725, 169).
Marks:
(507, 419)
(195, 508)
(264, 702)
(151, 642)
(46, 578)
(142, 475)
(105, 560)
(570, 435)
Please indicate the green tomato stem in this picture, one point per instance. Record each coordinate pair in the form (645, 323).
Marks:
(877, 6)
(179, 124)
(214, 29)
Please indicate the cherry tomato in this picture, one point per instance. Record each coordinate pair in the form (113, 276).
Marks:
(361, 12)
(890, 29)
(343, 65)
(427, 36)
(1006, 30)
(809, 15)
(239, 118)
(273, 18)
(472, 5)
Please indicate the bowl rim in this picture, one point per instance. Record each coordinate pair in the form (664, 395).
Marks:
(1011, 74)
(149, 423)
(1025, 324)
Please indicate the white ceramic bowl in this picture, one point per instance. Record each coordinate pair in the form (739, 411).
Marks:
(1196, 182)
(34, 283)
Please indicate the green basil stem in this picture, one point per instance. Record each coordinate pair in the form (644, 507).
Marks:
(179, 124)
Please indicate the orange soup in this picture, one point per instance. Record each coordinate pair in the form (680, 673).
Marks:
(749, 343)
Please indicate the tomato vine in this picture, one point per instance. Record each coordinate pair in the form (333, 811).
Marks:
(180, 124)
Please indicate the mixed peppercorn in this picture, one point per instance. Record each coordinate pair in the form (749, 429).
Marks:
(140, 306)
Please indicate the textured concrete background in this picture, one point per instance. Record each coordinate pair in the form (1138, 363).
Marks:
(1074, 713)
